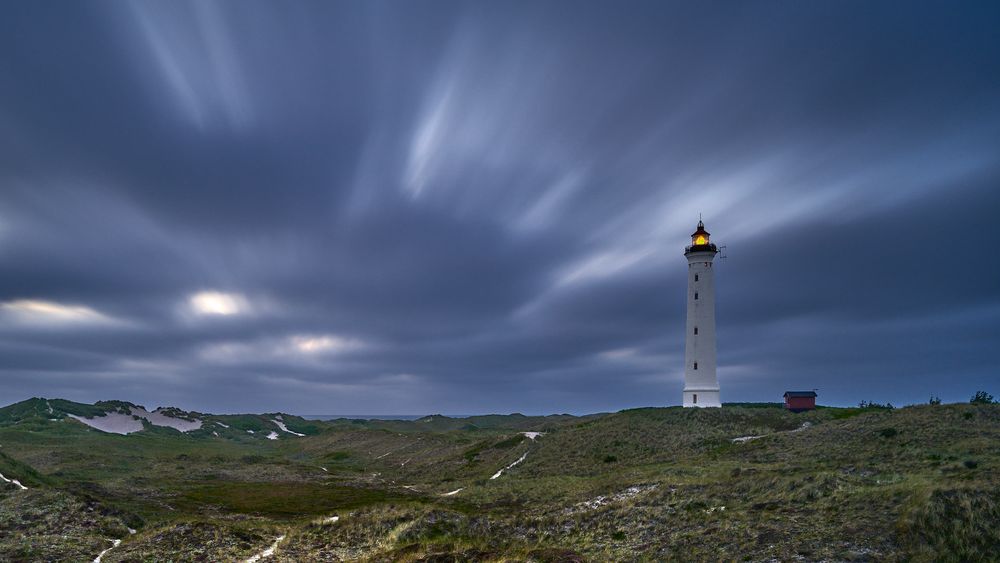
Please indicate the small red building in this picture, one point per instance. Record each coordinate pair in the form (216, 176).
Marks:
(798, 401)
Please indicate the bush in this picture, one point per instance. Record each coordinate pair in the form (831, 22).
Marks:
(888, 432)
(982, 398)
(874, 405)
(970, 464)
(610, 459)
(935, 400)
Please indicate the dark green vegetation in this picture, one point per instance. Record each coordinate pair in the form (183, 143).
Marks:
(982, 398)
(916, 483)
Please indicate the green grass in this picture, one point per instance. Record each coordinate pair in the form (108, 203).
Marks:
(917, 483)
(953, 525)
(284, 499)
(473, 453)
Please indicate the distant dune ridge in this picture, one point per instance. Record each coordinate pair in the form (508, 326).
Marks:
(129, 419)
(750, 481)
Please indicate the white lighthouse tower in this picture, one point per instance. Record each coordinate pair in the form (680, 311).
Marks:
(701, 386)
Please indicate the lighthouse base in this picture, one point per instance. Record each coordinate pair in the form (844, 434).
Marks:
(703, 398)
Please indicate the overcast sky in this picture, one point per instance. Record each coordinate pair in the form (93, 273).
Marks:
(421, 207)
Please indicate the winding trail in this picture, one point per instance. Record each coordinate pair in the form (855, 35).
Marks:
(745, 439)
(15, 481)
(519, 460)
(267, 552)
(103, 553)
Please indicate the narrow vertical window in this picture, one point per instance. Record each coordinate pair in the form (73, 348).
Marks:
(696, 277)
(694, 399)
(696, 330)
(696, 365)
(696, 295)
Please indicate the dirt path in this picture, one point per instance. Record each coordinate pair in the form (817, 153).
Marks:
(519, 460)
(115, 544)
(267, 552)
(745, 439)
(15, 481)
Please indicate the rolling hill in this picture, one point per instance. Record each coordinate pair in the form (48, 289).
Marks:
(745, 482)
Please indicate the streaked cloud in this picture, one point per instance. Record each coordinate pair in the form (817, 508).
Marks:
(50, 312)
(472, 206)
(603, 264)
(191, 47)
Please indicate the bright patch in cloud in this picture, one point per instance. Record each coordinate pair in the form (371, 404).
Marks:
(323, 344)
(620, 354)
(38, 311)
(291, 349)
(217, 303)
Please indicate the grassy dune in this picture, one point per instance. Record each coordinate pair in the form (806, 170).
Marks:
(912, 484)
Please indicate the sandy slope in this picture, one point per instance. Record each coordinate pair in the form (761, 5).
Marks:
(113, 423)
(284, 428)
(119, 423)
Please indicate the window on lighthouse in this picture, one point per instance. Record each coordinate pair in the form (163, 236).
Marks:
(696, 330)
(696, 277)
(696, 365)
(694, 399)
(700, 239)
(696, 295)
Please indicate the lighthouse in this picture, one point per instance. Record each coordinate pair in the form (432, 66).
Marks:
(701, 386)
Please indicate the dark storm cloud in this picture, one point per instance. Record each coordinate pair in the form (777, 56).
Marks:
(467, 207)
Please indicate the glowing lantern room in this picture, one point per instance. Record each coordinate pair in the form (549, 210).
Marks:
(700, 239)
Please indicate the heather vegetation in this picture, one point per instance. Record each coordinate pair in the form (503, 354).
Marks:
(747, 482)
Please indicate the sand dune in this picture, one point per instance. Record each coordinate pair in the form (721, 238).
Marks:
(159, 419)
(112, 423)
(120, 423)
(284, 428)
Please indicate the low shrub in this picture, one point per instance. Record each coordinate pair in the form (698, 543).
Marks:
(874, 405)
(982, 398)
